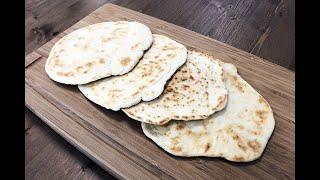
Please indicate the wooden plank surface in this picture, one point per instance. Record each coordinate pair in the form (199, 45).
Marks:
(117, 144)
(51, 157)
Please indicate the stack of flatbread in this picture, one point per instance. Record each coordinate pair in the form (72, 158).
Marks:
(189, 103)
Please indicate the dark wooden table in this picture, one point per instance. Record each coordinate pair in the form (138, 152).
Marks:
(265, 28)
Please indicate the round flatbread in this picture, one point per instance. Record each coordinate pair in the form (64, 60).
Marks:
(97, 51)
(145, 82)
(239, 132)
(195, 92)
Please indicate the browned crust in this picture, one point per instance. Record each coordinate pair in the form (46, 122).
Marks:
(208, 146)
(66, 74)
(125, 61)
(176, 149)
(254, 145)
(238, 158)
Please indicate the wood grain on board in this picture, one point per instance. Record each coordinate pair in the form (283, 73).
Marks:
(51, 157)
(117, 143)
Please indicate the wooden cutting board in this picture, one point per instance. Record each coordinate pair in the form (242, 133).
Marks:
(117, 143)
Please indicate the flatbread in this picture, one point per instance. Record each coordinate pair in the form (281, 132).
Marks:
(97, 51)
(238, 133)
(145, 82)
(195, 92)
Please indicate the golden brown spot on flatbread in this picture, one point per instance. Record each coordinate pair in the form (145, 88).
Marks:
(166, 47)
(191, 77)
(156, 57)
(136, 93)
(106, 39)
(254, 145)
(115, 90)
(198, 71)
(261, 100)
(235, 137)
(171, 55)
(238, 158)
(175, 140)
(180, 126)
(125, 61)
(134, 46)
(79, 68)
(208, 145)
(261, 114)
(242, 146)
(237, 84)
(229, 130)
(176, 148)
(240, 88)
(262, 121)
(168, 89)
(60, 73)
(89, 64)
(255, 132)
(176, 117)
(189, 132)
(161, 60)
(86, 46)
(102, 61)
(184, 79)
(68, 74)
(142, 87)
(57, 62)
(185, 87)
